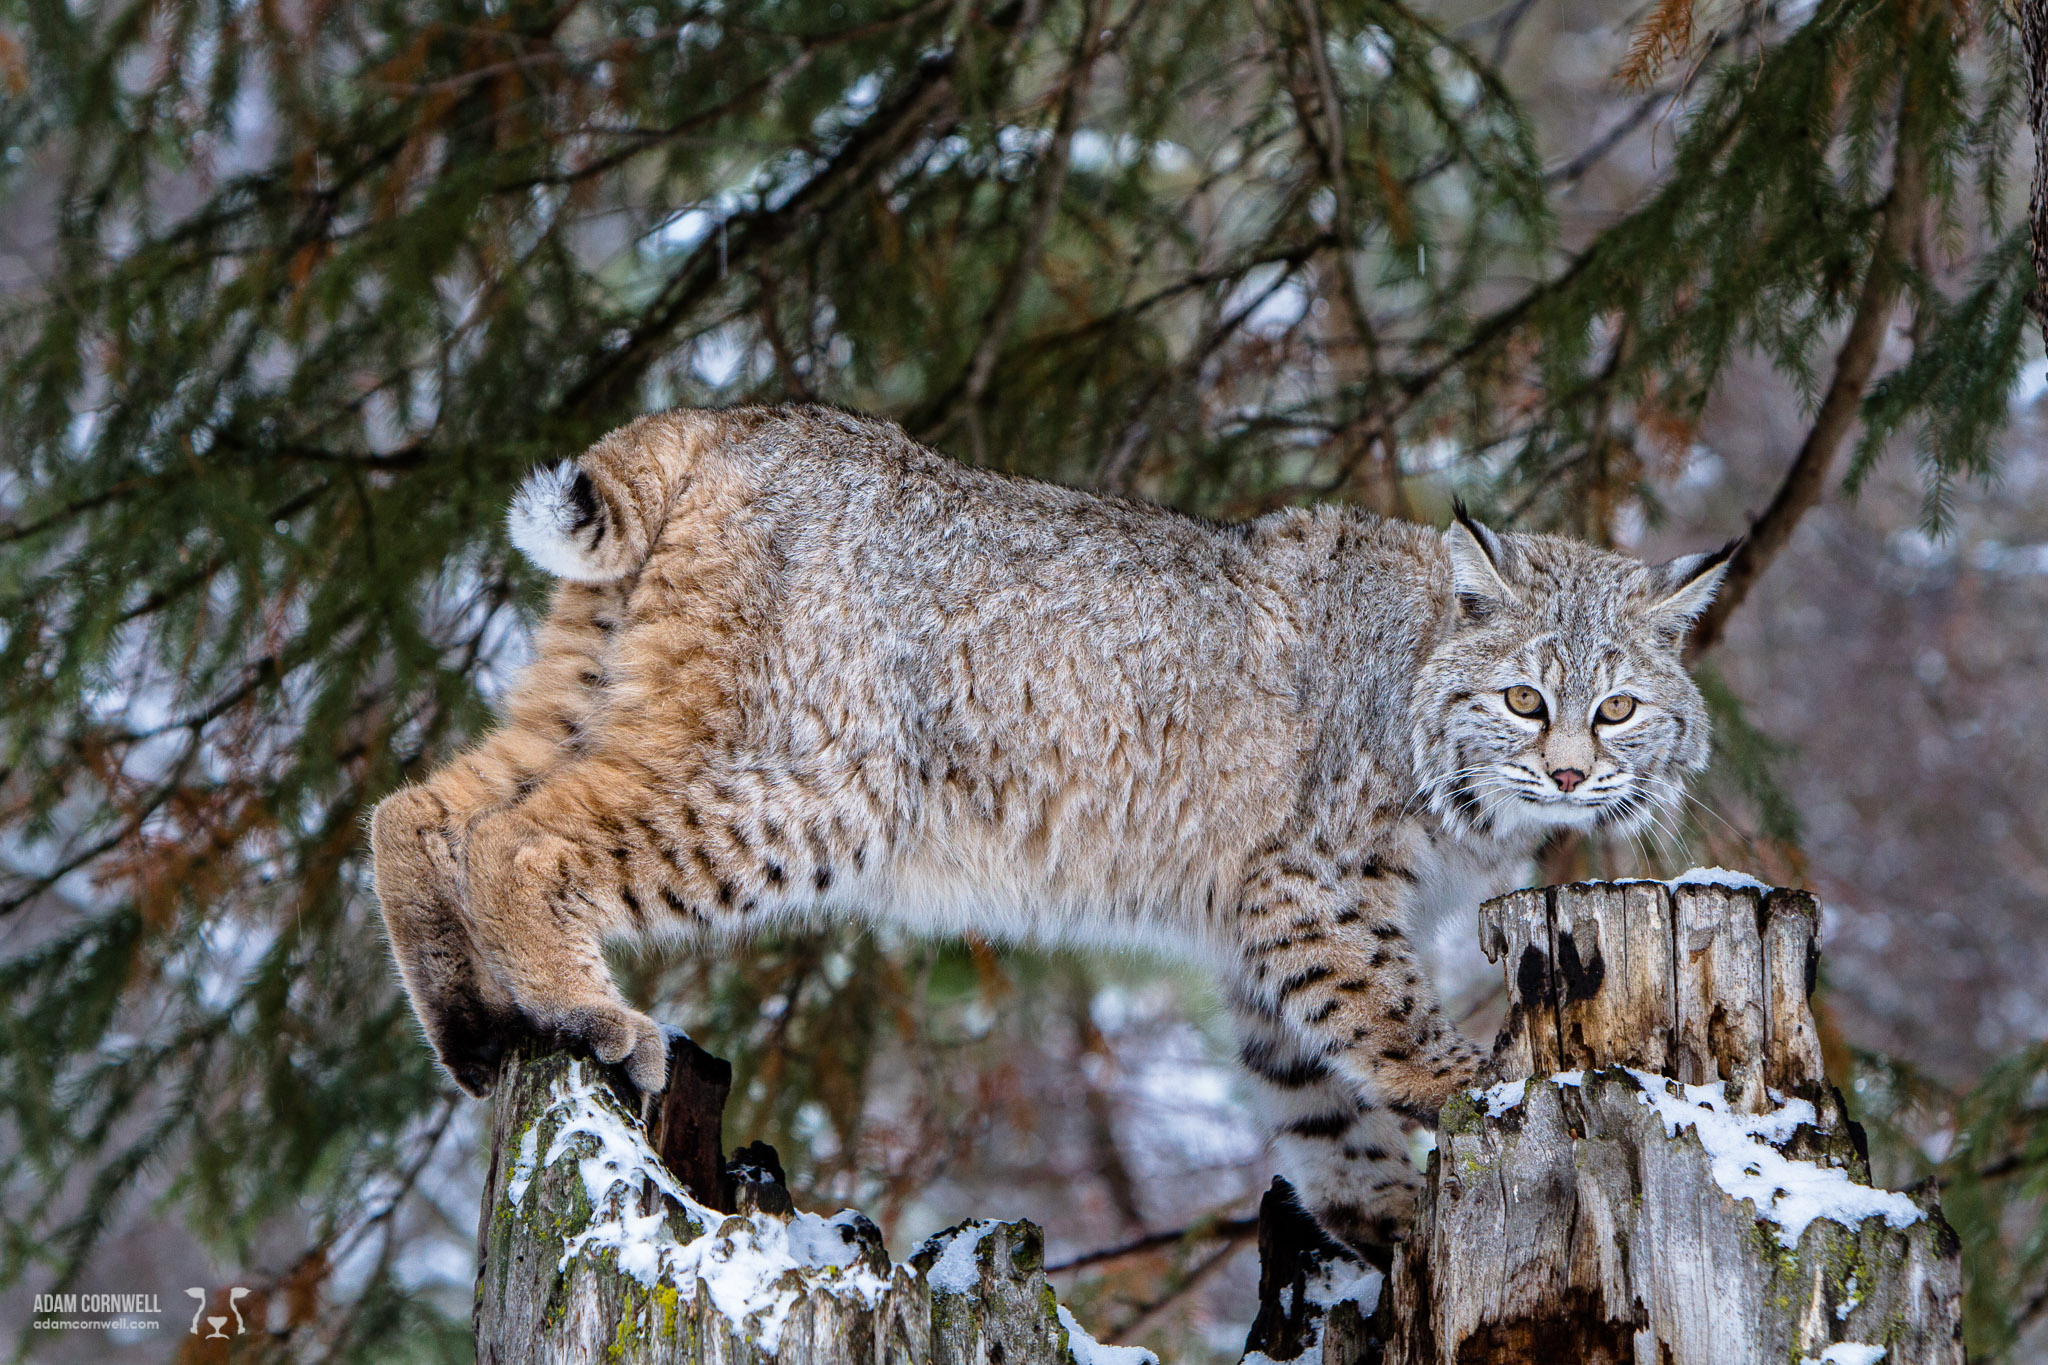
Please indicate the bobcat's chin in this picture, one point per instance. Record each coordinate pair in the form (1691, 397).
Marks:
(1624, 809)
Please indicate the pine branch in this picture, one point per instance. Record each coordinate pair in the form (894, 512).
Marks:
(1663, 35)
(1326, 139)
(872, 145)
(1806, 479)
(1045, 203)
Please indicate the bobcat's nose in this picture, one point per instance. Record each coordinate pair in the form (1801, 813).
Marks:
(1566, 778)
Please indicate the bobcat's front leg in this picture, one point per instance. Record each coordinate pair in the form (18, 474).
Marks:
(1324, 948)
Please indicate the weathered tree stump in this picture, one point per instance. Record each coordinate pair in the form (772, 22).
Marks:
(1664, 1175)
(593, 1249)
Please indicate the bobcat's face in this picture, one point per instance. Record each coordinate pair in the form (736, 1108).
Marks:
(1558, 696)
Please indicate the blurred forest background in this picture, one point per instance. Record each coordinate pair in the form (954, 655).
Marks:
(293, 292)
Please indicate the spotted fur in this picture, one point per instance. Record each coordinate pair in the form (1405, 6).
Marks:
(802, 666)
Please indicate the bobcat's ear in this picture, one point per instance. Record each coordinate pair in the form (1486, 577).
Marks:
(1476, 554)
(1682, 589)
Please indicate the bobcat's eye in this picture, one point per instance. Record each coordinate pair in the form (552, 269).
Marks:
(1524, 701)
(1617, 708)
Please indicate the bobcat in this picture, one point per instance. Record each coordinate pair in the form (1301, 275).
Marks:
(799, 664)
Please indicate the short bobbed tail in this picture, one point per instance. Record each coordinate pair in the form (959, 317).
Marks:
(558, 522)
(594, 519)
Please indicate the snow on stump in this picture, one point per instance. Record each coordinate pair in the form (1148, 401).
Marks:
(1665, 1175)
(592, 1249)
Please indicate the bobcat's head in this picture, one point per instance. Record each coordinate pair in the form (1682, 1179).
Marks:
(1557, 695)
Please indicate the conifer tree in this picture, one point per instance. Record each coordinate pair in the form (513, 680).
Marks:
(323, 282)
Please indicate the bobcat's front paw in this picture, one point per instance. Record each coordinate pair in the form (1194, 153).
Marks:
(617, 1036)
(1420, 1090)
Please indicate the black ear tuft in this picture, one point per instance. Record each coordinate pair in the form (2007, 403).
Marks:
(1475, 555)
(1716, 558)
(1683, 588)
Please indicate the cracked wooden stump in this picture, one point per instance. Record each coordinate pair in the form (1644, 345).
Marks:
(1663, 1174)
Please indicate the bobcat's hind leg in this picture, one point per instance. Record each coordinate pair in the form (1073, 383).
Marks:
(1347, 1159)
(417, 835)
(594, 851)
(543, 898)
(419, 888)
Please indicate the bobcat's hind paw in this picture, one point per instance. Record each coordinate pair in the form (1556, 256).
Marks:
(471, 1039)
(620, 1037)
(1371, 1232)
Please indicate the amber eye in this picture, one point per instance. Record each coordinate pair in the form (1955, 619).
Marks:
(1617, 708)
(1524, 701)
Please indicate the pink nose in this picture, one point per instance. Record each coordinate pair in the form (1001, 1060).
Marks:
(1567, 778)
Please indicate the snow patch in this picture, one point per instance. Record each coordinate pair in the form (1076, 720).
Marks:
(1790, 1193)
(754, 1267)
(1086, 1350)
(1846, 1353)
(1498, 1099)
(524, 1163)
(956, 1271)
(1718, 876)
(1345, 1282)
(1333, 1283)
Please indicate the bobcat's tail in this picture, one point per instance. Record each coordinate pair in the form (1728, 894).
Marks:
(594, 519)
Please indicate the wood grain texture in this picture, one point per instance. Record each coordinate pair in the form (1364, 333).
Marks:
(1573, 1228)
(1700, 983)
(1573, 1224)
(687, 1126)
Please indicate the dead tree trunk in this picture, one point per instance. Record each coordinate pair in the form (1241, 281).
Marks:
(1665, 1175)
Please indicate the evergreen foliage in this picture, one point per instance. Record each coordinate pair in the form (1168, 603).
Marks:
(328, 279)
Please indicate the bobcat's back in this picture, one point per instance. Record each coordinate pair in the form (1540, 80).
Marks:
(1037, 712)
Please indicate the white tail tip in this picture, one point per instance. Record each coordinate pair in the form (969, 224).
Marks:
(558, 522)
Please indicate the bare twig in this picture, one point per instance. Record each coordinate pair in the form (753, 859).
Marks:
(2033, 26)
(1229, 1229)
(1151, 1313)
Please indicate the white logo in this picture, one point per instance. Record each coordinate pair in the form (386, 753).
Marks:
(235, 1296)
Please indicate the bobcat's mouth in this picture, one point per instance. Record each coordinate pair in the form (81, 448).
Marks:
(1513, 796)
